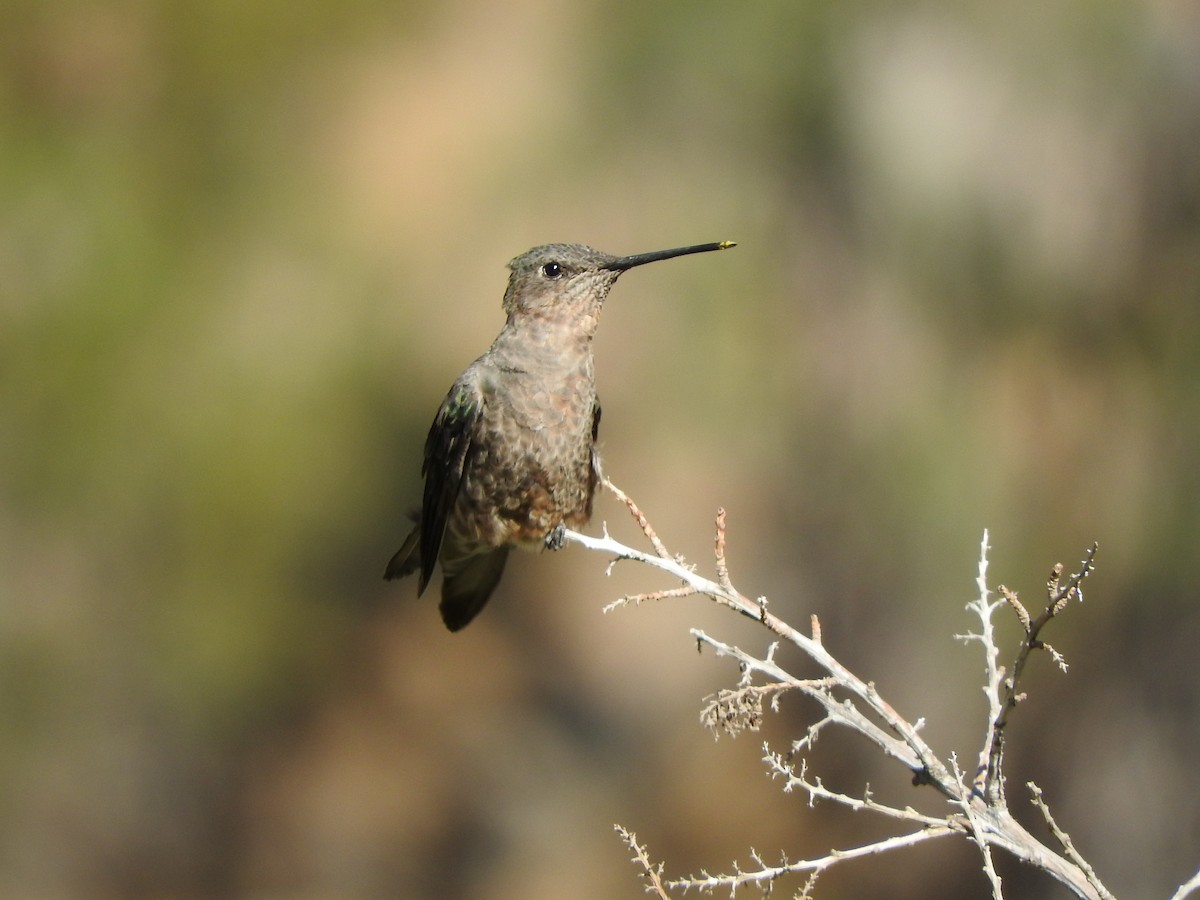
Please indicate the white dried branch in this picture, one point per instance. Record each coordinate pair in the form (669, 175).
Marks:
(842, 711)
(765, 875)
(1004, 693)
(793, 778)
(1189, 886)
(651, 871)
(917, 754)
(977, 806)
(986, 782)
(800, 745)
(1065, 840)
(976, 826)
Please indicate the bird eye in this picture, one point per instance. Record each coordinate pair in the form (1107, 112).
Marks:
(552, 270)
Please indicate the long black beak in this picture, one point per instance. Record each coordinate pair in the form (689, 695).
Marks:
(628, 262)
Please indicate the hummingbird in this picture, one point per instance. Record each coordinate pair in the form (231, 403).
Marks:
(510, 460)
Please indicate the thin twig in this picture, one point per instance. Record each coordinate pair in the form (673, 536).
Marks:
(1064, 840)
(1192, 884)
(651, 871)
(722, 568)
(640, 518)
(1057, 599)
(639, 599)
(978, 831)
(986, 782)
(817, 790)
(764, 876)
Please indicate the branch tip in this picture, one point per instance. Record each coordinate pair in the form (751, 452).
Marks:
(978, 808)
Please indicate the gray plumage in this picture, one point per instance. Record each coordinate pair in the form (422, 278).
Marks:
(511, 457)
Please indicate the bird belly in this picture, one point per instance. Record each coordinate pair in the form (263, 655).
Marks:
(519, 493)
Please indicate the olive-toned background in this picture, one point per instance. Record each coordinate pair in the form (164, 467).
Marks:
(245, 248)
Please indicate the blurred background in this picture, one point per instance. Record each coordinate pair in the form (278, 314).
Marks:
(245, 249)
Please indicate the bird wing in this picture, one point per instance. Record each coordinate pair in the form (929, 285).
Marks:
(597, 475)
(446, 451)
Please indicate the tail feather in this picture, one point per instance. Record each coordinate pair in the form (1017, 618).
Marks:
(465, 592)
(466, 586)
(407, 559)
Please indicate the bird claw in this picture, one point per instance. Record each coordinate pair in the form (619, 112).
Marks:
(557, 537)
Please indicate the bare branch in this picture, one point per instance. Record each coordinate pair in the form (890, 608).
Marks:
(978, 832)
(1065, 840)
(1185, 889)
(639, 599)
(793, 778)
(986, 782)
(917, 755)
(640, 518)
(721, 566)
(766, 875)
(652, 872)
(1057, 598)
(976, 806)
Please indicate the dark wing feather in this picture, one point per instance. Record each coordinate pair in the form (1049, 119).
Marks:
(465, 592)
(446, 451)
(596, 476)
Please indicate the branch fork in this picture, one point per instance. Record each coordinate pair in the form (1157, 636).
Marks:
(976, 806)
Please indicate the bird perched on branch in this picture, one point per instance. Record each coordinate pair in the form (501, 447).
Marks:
(511, 457)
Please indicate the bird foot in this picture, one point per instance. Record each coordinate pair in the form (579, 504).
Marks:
(557, 537)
